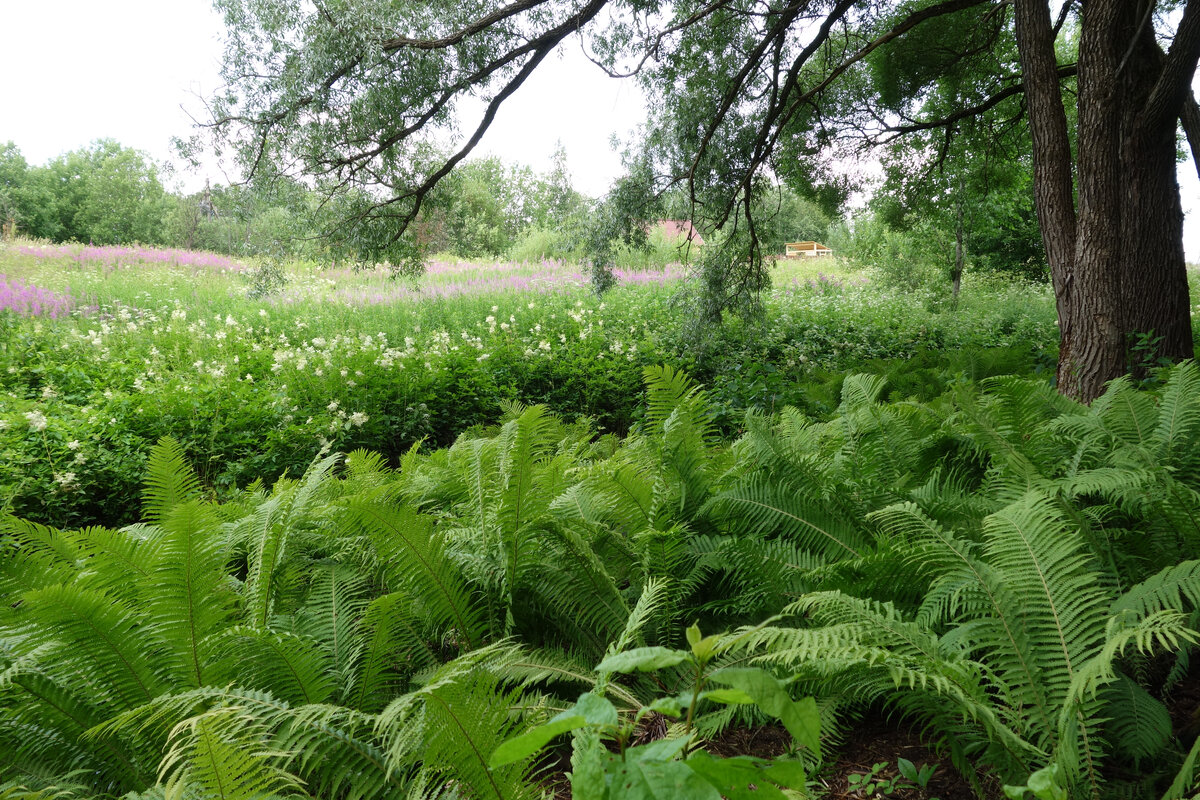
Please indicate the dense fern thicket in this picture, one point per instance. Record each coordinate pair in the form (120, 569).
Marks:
(1014, 573)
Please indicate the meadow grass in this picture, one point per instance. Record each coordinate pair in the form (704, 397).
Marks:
(167, 343)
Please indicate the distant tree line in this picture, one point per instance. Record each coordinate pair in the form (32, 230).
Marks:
(919, 227)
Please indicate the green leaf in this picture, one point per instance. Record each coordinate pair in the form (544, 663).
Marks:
(801, 718)
(642, 659)
(730, 696)
(662, 750)
(590, 709)
(588, 760)
(789, 773)
(533, 740)
(907, 768)
(595, 709)
(652, 779)
(1183, 779)
(733, 777)
(1044, 784)
(671, 706)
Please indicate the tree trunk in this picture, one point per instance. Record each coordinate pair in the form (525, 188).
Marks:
(959, 252)
(1190, 119)
(1118, 268)
(1097, 353)
(1052, 183)
(1154, 289)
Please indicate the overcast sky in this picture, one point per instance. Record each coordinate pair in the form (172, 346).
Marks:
(130, 70)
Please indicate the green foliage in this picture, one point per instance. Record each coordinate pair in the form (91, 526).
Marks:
(102, 194)
(669, 767)
(1002, 566)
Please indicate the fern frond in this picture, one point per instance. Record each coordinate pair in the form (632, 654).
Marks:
(413, 559)
(216, 753)
(1061, 594)
(861, 391)
(35, 556)
(670, 392)
(102, 638)
(452, 725)
(331, 614)
(269, 527)
(187, 596)
(294, 668)
(396, 645)
(765, 508)
(1173, 588)
(1139, 725)
(169, 480)
(1175, 436)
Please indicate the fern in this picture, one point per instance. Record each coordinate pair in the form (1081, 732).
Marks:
(413, 559)
(223, 760)
(170, 480)
(451, 726)
(186, 592)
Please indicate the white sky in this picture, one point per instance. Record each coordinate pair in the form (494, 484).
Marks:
(79, 70)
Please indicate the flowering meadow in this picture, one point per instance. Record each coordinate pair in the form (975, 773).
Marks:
(105, 350)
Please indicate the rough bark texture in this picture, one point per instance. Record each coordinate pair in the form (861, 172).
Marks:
(1097, 354)
(1053, 189)
(1118, 268)
(1153, 282)
(1190, 119)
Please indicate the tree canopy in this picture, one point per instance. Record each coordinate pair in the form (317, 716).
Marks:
(366, 98)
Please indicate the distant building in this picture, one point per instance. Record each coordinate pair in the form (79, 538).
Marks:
(679, 229)
(806, 250)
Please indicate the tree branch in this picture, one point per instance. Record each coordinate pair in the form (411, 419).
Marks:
(1169, 92)
(1189, 117)
(478, 26)
(1064, 71)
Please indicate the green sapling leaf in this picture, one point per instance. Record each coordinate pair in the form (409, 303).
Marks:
(733, 777)
(800, 717)
(533, 740)
(643, 659)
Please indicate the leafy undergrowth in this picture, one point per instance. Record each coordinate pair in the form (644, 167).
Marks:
(252, 387)
(1013, 575)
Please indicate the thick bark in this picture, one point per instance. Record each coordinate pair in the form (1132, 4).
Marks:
(1153, 280)
(1053, 186)
(1095, 351)
(1118, 267)
(1189, 117)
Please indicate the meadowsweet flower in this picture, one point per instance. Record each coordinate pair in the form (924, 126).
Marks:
(358, 418)
(65, 480)
(3, 424)
(333, 405)
(37, 420)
